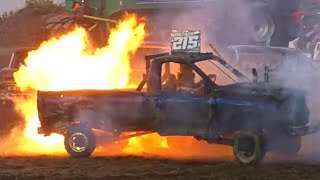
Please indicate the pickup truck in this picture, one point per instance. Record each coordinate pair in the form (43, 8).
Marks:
(17, 59)
(253, 117)
(8, 89)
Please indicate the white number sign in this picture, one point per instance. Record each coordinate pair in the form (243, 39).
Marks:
(185, 41)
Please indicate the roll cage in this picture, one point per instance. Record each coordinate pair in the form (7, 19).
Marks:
(154, 63)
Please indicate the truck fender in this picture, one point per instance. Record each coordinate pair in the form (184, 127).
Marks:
(84, 115)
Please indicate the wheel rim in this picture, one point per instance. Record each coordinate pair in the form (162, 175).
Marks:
(245, 149)
(264, 28)
(78, 142)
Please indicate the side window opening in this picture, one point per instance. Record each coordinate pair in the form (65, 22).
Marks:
(179, 78)
(213, 71)
(19, 58)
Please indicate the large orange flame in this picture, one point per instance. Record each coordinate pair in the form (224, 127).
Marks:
(68, 63)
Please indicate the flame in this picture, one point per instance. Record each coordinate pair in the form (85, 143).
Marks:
(69, 63)
(31, 142)
(146, 143)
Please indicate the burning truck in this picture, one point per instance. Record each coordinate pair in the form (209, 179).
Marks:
(180, 95)
(77, 105)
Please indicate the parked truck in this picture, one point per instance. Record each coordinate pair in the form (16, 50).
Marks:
(232, 22)
(9, 90)
(252, 117)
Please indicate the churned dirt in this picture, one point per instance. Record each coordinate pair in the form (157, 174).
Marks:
(206, 162)
(147, 168)
(24, 28)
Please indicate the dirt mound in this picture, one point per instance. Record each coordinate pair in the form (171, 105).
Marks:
(25, 26)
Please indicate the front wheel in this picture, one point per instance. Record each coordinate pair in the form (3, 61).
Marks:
(249, 147)
(79, 141)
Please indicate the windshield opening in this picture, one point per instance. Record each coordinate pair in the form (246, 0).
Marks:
(216, 72)
(19, 58)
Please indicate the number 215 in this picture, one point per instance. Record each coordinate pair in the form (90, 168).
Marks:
(188, 42)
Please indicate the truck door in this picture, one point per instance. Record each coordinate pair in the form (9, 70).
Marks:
(186, 112)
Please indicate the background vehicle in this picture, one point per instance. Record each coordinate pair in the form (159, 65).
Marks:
(8, 90)
(241, 22)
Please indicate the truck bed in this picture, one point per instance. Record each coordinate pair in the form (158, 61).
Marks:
(121, 110)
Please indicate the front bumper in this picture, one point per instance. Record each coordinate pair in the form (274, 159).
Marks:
(303, 130)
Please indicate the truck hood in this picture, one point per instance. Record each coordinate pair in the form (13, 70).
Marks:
(259, 89)
(6, 74)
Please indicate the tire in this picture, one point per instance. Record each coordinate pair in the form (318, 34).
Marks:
(263, 26)
(255, 25)
(79, 141)
(249, 147)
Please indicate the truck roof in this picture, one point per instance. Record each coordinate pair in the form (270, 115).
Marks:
(19, 55)
(185, 57)
(189, 58)
(24, 49)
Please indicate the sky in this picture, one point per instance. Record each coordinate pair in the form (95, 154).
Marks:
(7, 5)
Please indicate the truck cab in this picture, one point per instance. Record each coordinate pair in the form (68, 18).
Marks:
(17, 59)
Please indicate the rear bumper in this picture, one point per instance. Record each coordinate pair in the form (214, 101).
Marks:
(41, 130)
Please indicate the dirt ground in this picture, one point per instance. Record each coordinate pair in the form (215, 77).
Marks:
(147, 168)
(200, 161)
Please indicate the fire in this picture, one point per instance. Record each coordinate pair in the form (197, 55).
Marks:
(31, 142)
(68, 63)
(146, 143)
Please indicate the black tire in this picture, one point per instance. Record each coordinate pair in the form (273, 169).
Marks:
(263, 25)
(255, 25)
(79, 141)
(249, 147)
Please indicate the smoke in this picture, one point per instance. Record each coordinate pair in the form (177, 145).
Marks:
(220, 22)
(231, 22)
(289, 68)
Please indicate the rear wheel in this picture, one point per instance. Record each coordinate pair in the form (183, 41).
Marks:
(80, 141)
(263, 25)
(249, 147)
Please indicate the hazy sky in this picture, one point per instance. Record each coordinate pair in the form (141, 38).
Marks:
(7, 5)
